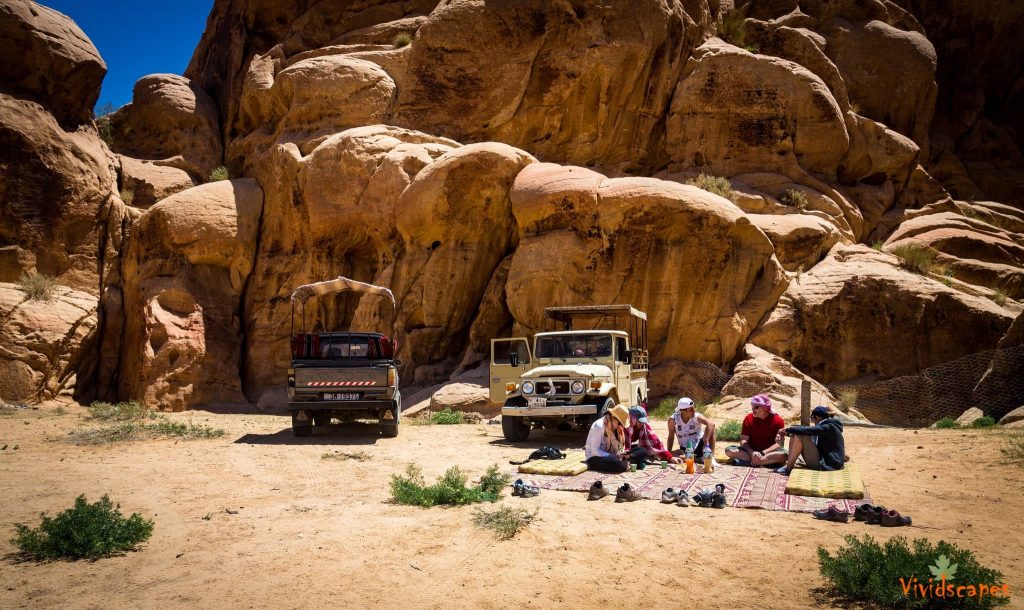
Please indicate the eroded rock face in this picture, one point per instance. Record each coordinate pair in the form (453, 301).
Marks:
(41, 342)
(857, 315)
(52, 188)
(761, 372)
(184, 272)
(149, 182)
(171, 122)
(48, 58)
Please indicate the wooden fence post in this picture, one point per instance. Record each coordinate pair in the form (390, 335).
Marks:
(805, 402)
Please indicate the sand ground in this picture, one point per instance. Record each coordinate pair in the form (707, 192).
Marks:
(311, 532)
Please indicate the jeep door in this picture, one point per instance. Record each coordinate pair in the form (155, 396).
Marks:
(510, 358)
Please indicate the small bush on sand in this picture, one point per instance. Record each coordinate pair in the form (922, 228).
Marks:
(794, 198)
(359, 456)
(504, 522)
(119, 411)
(728, 431)
(732, 29)
(847, 400)
(85, 531)
(914, 257)
(37, 286)
(713, 184)
(450, 489)
(1013, 450)
(888, 575)
(175, 429)
(984, 422)
(219, 173)
(129, 421)
(946, 423)
(402, 39)
(447, 417)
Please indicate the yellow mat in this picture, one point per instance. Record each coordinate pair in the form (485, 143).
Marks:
(845, 483)
(573, 464)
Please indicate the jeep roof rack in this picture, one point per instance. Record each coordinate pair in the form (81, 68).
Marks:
(636, 326)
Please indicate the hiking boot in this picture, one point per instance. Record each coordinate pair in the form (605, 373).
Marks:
(597, 491)
(682, 499)
(832, 514)
(891, 518)
(517, 488)
(627, 493)
(874, 516)
(669, 496)
(861, 512)
(530, 491)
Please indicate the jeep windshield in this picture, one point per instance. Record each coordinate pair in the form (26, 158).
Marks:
(575, 346)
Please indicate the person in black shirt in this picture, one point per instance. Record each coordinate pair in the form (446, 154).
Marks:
(821, 445)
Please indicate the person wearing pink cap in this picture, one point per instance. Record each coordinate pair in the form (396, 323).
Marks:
(759, 436)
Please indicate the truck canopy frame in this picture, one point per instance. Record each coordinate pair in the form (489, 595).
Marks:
(303, 293)
(605, 317)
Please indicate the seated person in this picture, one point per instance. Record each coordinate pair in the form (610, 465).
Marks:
(606, 442)
(690, 428)
(648, 445)
(821, 445)
(759, 436)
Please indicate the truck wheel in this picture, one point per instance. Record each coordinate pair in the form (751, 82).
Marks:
(321, 420)
(389, 427)
(604, 408)
(301, 427)
(516, 429)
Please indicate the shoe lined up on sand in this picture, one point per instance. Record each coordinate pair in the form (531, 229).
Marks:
(879, 515)
(627, 493)
(682, 499)
(718, 496)
(891, 518)
(704, 498)
(669, 496)
(862, 511)
(517, 487)
(597, 491)
(832, 514)
(525, 490)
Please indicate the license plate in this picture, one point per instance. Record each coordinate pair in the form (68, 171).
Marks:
(342, 396)
(536, 401)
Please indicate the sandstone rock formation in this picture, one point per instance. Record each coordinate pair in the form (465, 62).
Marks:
(761, 372)
(42, 342)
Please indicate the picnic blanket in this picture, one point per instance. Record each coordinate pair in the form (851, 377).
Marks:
(744, 487)
(845, 483)
(572, 464)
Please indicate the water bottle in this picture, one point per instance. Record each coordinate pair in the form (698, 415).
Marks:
(709, 460)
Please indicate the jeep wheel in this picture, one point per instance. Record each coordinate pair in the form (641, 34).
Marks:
(516, 429)
(301, 428)
(389, 425)
(603, 408)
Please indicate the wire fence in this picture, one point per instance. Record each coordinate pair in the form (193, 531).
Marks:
(992, 381)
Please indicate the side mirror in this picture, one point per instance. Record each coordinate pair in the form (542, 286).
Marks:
(627, 357)
(513, 358)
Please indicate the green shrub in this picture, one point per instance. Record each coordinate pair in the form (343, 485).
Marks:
(847, 399)
(664, 409)
(166, 428)
(504, 522)
(713, 184)
(119, 411)
(946, 423)
(447, 417)
(127, 421)
(103, 127)
(732, 29)
(984, 422)
(877, 246)
(402, 39)
(1013, 449)
(37, 286)
(219, 173)
(753, 49)
(915, 257)
(794, 198)
(85, 531)
(866, 571)
(450, 489)
(999, 297)
(359, 456)
(728, 431)
(128, 196)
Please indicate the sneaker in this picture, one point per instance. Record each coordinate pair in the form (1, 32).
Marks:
(832, 514)
(682, 499)
(874, 516)
(891, 518)
(861, 512)
(669, 496)
(704, 498)
(530, 491)
(718, 497)
(627, 493)
(517, 488)
(597, 491)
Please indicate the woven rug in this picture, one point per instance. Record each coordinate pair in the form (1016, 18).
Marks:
(744, 487)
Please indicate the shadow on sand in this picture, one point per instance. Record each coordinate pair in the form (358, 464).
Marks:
(356, 433)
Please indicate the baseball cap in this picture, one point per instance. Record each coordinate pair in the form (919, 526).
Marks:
(638, 413)
(684, 403)
(821, 412)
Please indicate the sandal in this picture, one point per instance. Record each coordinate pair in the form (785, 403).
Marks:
(627, 493)
(669, 496)
(832, 514)
(597, 491)
(891, 518)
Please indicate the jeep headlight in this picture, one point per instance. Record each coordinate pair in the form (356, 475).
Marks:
(576, 387)
(528, 387)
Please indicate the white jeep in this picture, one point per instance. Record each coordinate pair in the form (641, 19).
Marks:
(571, 376)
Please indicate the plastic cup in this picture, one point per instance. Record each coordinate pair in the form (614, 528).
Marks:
(632, 467)
(664, 464)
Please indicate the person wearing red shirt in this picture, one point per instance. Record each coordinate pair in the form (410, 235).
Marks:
(759, 437)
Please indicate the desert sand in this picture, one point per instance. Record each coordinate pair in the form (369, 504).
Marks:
(305, 532)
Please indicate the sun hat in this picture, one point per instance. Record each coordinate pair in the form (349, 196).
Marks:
(821, 412)
(639, 414)
(620, 413)
(762, 400)
(684, 403)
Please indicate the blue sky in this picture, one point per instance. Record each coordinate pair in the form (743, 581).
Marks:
(137, 38)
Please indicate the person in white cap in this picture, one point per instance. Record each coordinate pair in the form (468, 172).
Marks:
(690, 428)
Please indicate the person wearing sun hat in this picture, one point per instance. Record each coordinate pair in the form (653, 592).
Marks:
(821, 445)
(759, 436)
(606, 441)
(691, 427)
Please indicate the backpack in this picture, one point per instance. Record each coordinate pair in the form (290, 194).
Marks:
(544, 453)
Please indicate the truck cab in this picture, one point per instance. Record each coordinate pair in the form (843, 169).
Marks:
(568, 378)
